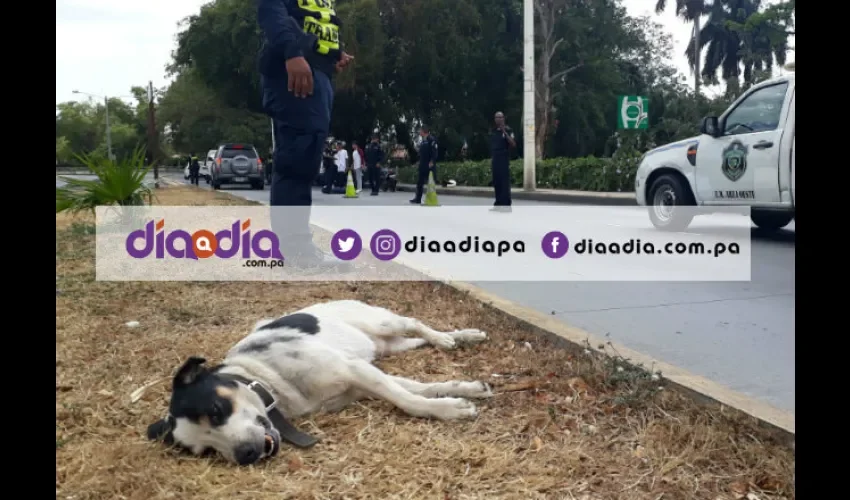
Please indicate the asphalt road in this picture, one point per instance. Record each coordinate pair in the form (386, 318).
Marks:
(738, 334)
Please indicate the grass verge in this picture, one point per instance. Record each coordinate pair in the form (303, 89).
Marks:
(563, 425)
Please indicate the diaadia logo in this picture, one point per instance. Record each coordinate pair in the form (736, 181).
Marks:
(203, 244)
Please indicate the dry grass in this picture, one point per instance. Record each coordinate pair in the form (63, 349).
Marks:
(563, 425)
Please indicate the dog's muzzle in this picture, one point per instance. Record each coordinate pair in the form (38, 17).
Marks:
(282, 428)
(272, 444)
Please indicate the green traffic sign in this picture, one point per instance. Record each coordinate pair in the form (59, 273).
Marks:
(632, 112)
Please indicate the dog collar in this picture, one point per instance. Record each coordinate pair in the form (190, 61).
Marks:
(288, 432)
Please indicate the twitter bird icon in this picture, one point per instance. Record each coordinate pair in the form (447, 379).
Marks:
(346, 244)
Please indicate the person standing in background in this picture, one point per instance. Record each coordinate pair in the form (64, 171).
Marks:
(194, 169)
(501, 142)
(428, 150)
(374, 156)
(329, 166)
(341, 158)
(357, 166)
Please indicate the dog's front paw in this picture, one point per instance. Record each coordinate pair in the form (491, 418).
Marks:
(479, 390)
(455, 409)
(469, 335)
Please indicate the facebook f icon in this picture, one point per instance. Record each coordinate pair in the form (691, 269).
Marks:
(555, 244)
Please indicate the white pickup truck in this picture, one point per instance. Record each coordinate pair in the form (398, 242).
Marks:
(744, 157)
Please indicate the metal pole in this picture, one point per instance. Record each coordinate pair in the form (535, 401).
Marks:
(696, 55)
(529, 152)
(152, 135)
(272, 129)
(108, 129)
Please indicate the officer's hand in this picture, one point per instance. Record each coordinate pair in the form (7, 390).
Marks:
(344, 61)
(300, 77)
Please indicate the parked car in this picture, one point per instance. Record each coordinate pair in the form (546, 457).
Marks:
(237, 163)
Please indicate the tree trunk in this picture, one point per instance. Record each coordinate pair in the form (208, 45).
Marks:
(542, 109)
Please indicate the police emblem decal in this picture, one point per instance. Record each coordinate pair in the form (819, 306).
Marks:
(734, 163)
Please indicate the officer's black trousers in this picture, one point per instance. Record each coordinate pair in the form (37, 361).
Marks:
(374, 174)
(300, 129)
(422, 179)
(502, 181)
(193, 177)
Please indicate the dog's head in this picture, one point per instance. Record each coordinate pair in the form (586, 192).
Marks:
(211, 412)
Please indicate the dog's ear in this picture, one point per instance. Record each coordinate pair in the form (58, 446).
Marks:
(161, 431)
(190, 371)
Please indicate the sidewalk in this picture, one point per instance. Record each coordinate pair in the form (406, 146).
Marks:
(550, 195)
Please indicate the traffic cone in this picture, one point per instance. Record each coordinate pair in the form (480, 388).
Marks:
(350, 192)
(431, 192)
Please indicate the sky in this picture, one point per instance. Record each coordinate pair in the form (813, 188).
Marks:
(104, 47)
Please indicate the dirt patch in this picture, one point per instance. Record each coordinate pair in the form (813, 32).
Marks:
(563, 425)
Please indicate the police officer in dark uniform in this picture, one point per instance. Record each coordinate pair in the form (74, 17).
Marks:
(300, 54)
(501, 143)
(329, 163)
(428, 150)
(374, 156)
(194, 169)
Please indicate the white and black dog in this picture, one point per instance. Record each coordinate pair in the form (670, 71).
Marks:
(316, 359)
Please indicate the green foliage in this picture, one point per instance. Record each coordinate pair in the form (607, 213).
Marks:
(741, 39)
(81, 126)
(616, 174)
(63, 150)
(200, 120)
(118, 183)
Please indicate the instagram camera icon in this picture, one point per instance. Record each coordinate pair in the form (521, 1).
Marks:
(385, 244)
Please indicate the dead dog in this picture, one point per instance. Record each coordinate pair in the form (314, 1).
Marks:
(316, 359)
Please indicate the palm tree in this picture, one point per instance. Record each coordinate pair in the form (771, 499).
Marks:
(731, 45)
(690, 11)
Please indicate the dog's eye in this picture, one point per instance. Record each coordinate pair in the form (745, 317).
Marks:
(216, 415)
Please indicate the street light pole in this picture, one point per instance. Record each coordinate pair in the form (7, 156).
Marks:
(529, 152)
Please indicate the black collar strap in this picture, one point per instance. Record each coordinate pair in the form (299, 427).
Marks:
(288, 432)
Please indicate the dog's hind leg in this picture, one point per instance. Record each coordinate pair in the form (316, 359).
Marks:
(371, 381)
(393, 325)
(445, 340)
(454, 388)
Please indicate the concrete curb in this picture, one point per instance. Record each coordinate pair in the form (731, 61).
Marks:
(550, 195)
(699, 389)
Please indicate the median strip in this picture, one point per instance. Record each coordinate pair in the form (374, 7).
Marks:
(565, 423)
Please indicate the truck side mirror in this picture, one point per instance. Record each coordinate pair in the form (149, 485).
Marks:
(709, 126)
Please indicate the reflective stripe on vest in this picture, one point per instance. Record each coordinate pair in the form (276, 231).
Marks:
(320, 19)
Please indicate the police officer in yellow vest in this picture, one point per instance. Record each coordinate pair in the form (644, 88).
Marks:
(301, 52)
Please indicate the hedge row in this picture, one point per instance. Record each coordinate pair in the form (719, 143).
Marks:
(615, 174)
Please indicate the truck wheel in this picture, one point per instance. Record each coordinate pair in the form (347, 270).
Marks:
(667, 193)
(770, 221)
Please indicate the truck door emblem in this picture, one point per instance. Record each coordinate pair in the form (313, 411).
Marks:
(734, 161)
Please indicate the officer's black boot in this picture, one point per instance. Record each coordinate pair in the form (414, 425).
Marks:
(292, 226)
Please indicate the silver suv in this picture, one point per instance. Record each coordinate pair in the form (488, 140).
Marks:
(237, 163)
